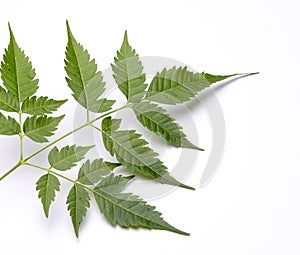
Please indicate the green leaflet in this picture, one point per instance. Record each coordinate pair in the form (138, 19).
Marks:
(78, 202)
(8, 126)
(178, 85)
(8, 102)
(127, 210)
(92, 172)
(108, 125)
(114, 184)
(83, 79)
(157, 120)
(67, 157)
(17, 72)
(128, 72)
(47, 185)
(41, 105)
(133, 152)
(38, 128)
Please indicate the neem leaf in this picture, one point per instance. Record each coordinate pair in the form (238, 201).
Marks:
(17, 72)
(133, 152)
(157, 120)
(38, 128)
(47, 185)
(78, 202)
(8, 126)
(67, 157)
(178, 85)
(128, 72)
(41, 105)
(83, 79)
(92, 172)
(128, 210)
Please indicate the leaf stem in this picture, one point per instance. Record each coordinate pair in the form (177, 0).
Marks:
(75, 130)
(59, 175)
(100, 130)
(65, 178)
(21, 135)
(56, 141)
(50, 171)
(87, 115)
(11, 170)
(24, 160)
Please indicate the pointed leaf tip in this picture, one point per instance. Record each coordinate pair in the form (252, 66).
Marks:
(183, 233)
(11, 32)
(68, 29)
(252, 73)
(186, 187)
(130, 177)
(125, 36)
(197, 148)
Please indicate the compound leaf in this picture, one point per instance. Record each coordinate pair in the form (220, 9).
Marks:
(92, 172)
(157, 120)
(8, 126)
(128, 210)
(67, 157)
(83, 79)
(128, 72)
(47, 185)
(41, 105)
(17, 73)
(38, 128)
(178, 85)
(133, 152)
(8, 102)
(78, 202)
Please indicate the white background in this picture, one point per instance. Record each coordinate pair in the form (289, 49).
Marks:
(252, 204)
